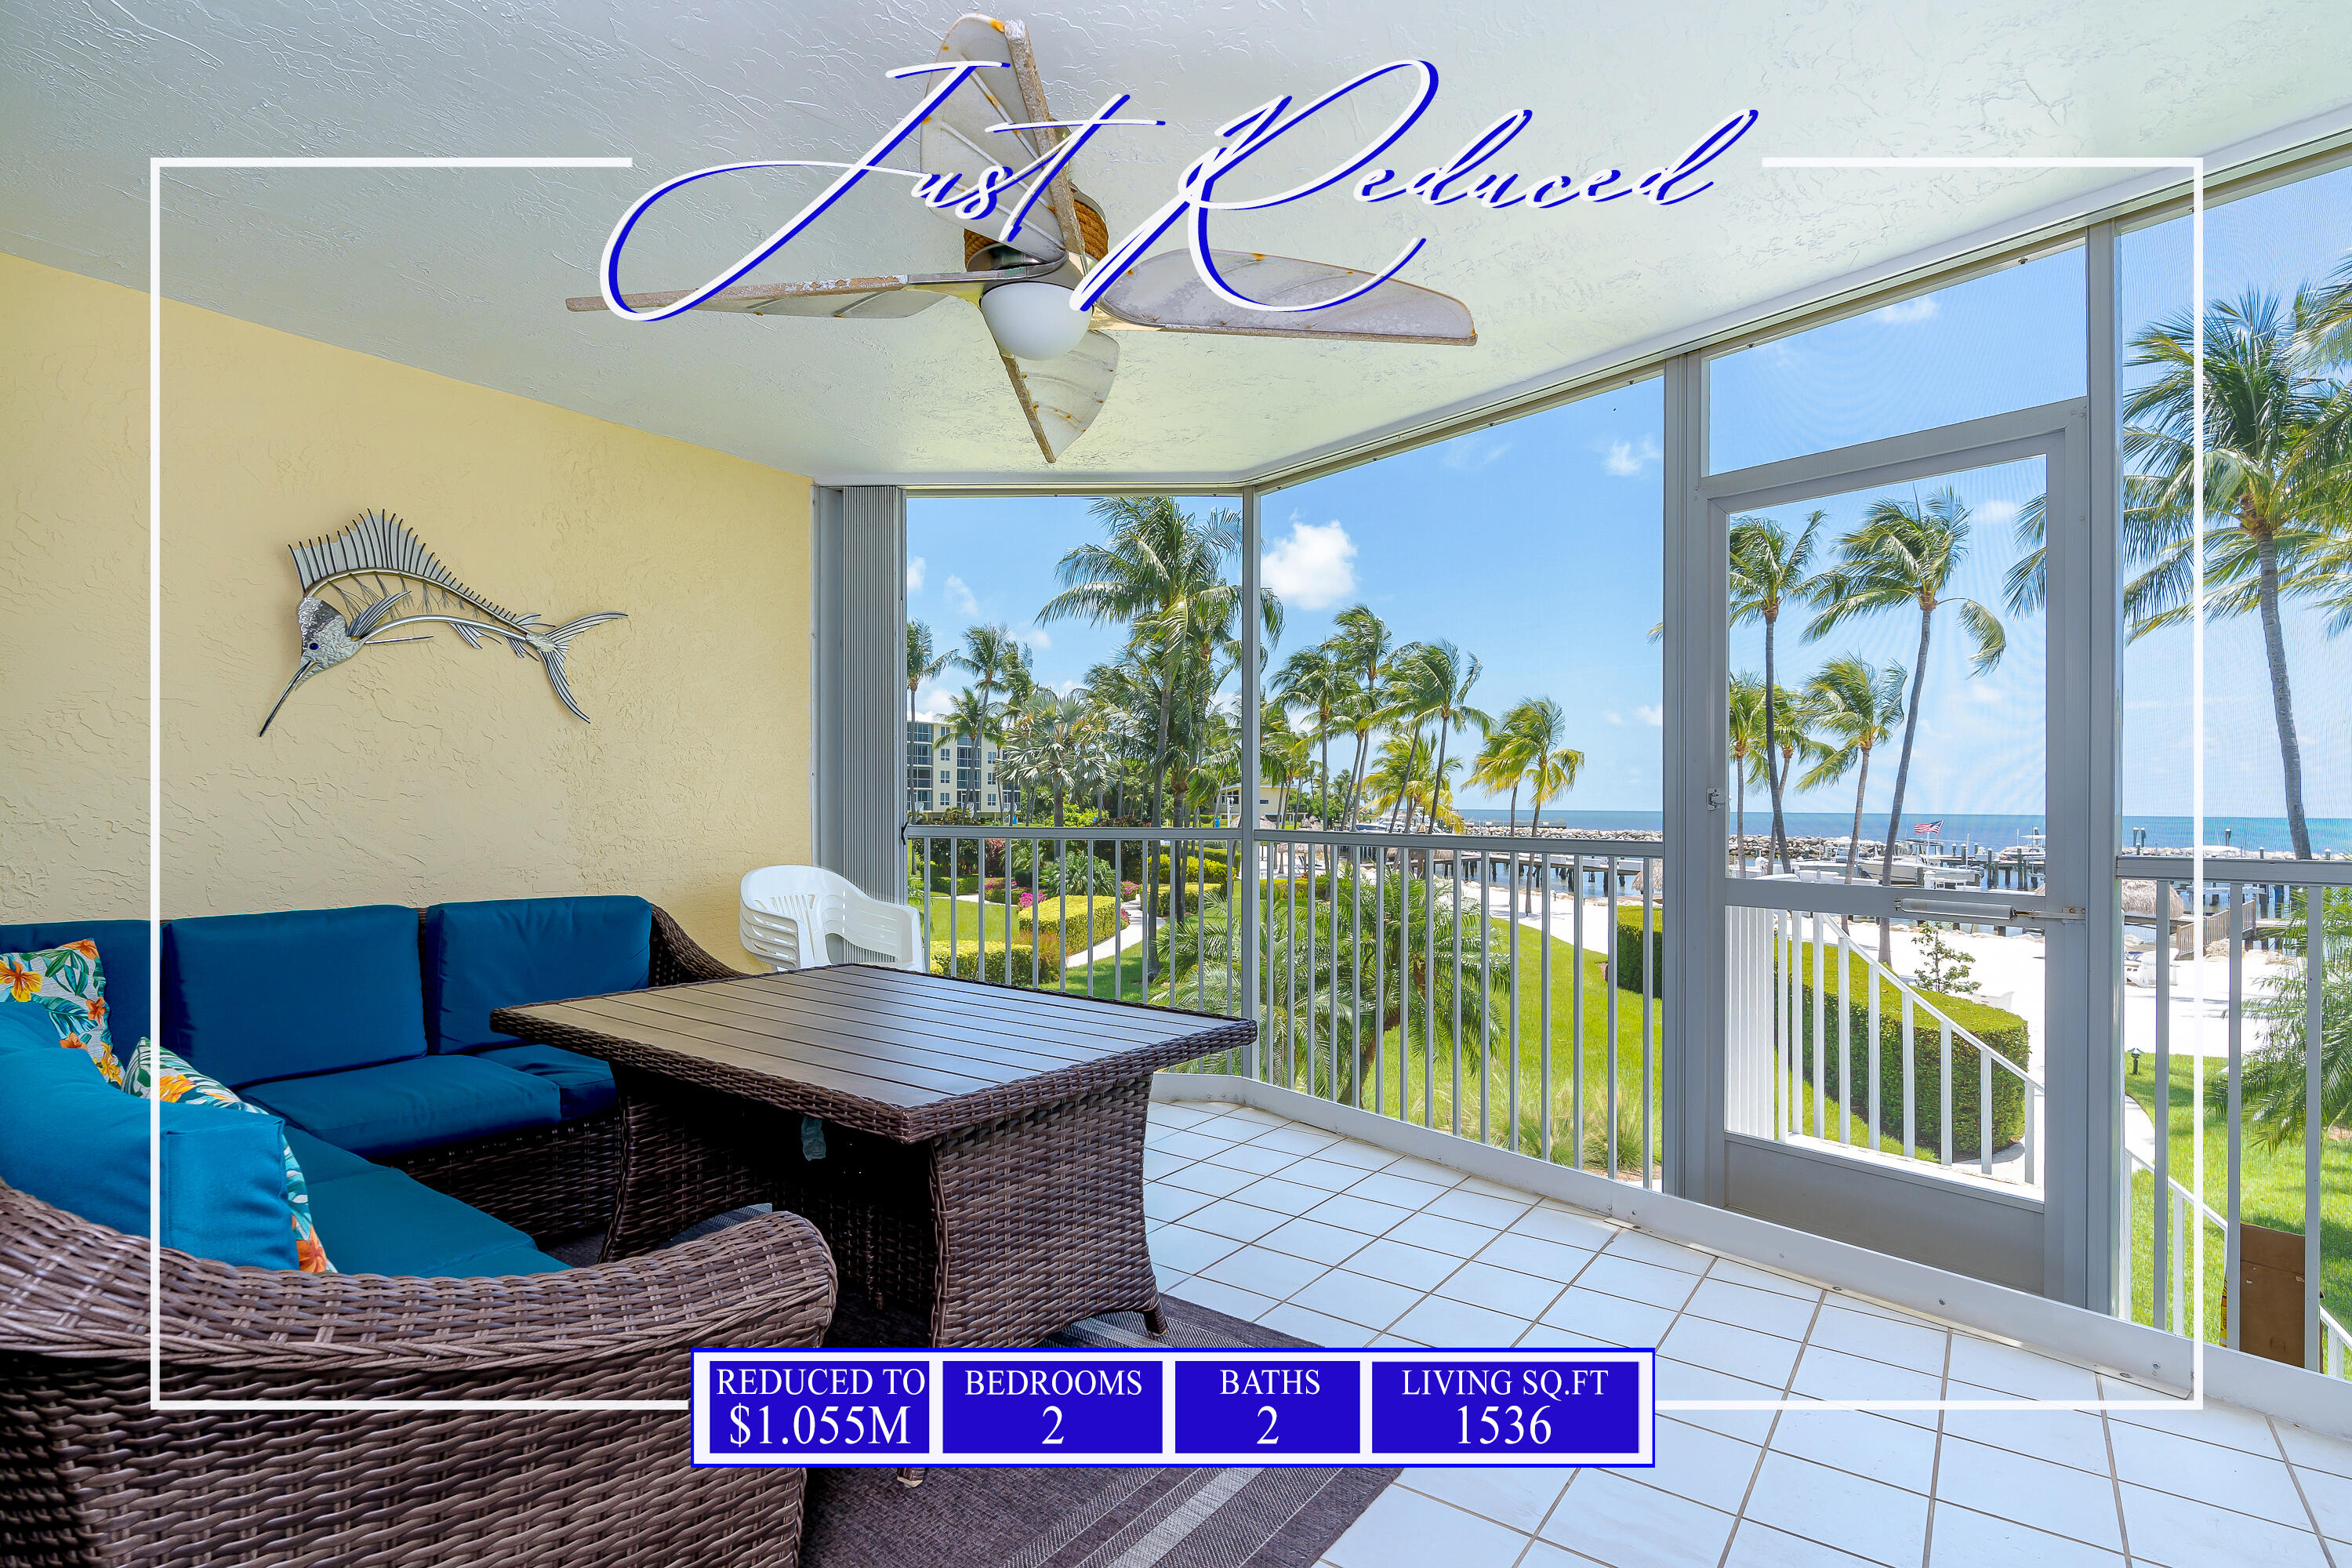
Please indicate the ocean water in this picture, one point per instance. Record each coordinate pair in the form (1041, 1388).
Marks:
(2327, 832)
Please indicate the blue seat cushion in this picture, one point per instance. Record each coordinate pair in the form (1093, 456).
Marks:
(250, 997)
(585, 1083)
(375, 1220)
(121, 960)
(75, 1140)
(424, 1102)
(504, 952)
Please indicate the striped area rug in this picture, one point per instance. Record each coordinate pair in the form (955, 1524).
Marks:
(1127, 1517)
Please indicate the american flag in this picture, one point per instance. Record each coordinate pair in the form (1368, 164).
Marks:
(1936, 827)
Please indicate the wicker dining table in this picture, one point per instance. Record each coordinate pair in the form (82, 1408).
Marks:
(973, 1154)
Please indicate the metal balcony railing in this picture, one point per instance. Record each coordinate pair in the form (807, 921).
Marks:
(2285, 985)
(1500, 988)
(1828, 1046)
(1505, 989)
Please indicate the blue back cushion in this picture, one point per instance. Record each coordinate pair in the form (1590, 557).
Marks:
(502, 953)
(122, 957)
(247, 997)
(26, 1028)
(75, 1140)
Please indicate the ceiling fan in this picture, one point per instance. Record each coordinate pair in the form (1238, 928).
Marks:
(1061, 361)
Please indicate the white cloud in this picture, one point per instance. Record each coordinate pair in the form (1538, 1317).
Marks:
(1614, 718)
(2000, 511)
(960, 598)
(914, 574)
(1654, 717)
(1908, 312)
(1626, 458)
(1314, 567)
(1039, 639)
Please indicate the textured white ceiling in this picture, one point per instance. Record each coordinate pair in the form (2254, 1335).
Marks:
(465, 272)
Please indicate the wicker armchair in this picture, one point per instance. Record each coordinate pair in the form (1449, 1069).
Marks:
(558, 1181)
(90, 1475)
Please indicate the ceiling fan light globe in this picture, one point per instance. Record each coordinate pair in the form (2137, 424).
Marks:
(1033, 321)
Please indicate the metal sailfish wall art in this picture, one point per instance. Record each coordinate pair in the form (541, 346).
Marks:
(354, 583)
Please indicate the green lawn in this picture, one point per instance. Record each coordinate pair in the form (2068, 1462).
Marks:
(1402, 1084)
(969, 915)
(1489, 1093)
(2270, 1191)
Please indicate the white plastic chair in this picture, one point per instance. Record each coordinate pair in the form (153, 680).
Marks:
(793, 917)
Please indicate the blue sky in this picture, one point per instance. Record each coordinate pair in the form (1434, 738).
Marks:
(1536, 546)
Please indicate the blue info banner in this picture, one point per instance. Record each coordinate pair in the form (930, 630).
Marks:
(1297, 1407)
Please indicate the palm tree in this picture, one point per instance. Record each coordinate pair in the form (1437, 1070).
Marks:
(1384, 970)
(1769, 568)
(1502, 762)
(1453, 674)
(1311, 680)
(2274, 1080)
(1405, 698)
(2278, 478)
(1282, 753)
(1162, 571)
(989, 653)
(1388, 783)
(1433, 796)
(1747, 740)
(1796, 740)
(1902, 555)
(1553, 765)
(1856, 706)
(1020, 677)
(969, 716)
(921, 663)
(1361, 648)
(1053, 746)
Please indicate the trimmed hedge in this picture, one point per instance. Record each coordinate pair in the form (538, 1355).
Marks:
(1199, 867)
(1006, 966)
(2003, 1031)
(1196, 894)
(1631, 967)
(1049, 928)
(1056, 932)
(1636, 968)
(942, 883)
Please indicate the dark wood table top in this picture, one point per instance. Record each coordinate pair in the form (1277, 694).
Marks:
(889, 1051)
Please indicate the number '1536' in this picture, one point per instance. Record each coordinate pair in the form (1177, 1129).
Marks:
(1507, 1425)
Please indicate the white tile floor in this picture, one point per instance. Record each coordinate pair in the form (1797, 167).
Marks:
(1342, 1243)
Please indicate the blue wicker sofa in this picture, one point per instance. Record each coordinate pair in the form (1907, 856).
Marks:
(424, 1143)
(431, 1145)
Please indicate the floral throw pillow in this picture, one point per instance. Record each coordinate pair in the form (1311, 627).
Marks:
(180, 1081)
(66, 983)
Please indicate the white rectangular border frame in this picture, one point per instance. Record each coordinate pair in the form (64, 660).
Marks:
(156, 168)
(161, 165)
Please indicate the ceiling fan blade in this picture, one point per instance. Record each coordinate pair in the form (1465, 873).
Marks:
(1164, 292)
(1061, 396)
(1061, 194)
(899, 294)
(956, 138)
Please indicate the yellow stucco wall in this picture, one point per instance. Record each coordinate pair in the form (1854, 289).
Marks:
(410, 774)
